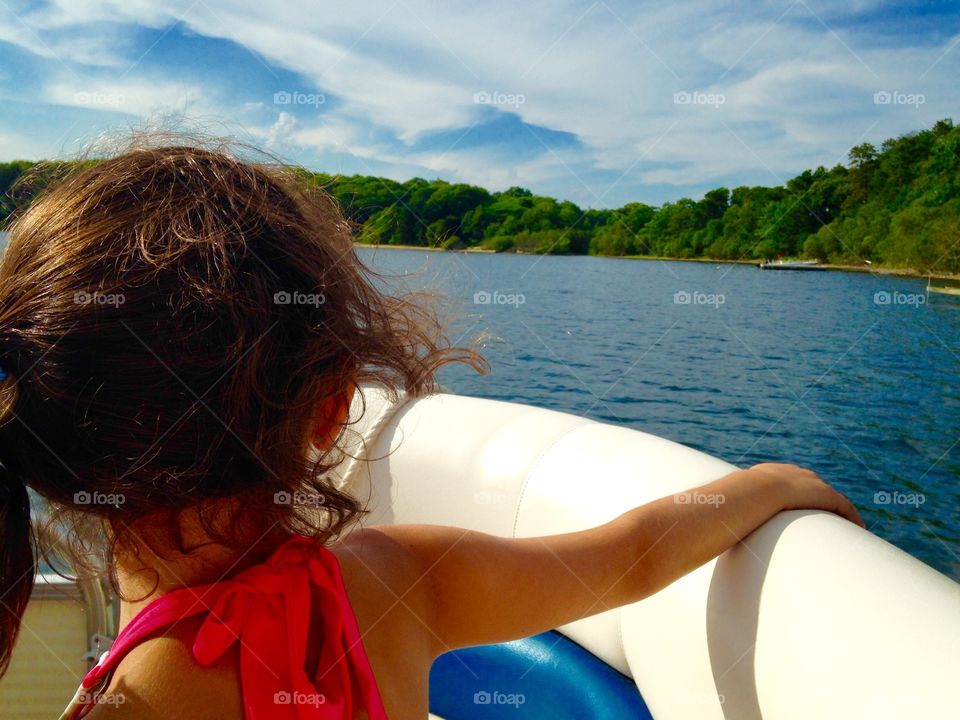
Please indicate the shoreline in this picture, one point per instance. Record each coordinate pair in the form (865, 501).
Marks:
(422, 247)
(864, 269)
(869, 269)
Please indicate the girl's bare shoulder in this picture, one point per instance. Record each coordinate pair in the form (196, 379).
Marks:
(160, 679)
(384, 578)
(389, 597)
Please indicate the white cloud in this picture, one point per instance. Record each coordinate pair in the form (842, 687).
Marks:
(795, 93)
(281, 130)
(22, 146)
(131, 96)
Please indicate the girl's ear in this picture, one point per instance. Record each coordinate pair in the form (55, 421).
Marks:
(330, 417)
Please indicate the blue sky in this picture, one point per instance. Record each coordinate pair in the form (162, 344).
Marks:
(602, 103)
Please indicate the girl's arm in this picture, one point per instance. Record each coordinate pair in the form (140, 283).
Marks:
(473, 588)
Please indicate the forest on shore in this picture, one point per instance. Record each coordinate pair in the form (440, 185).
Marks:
(896, 206)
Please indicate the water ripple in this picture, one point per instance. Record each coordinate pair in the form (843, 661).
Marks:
(804, 368)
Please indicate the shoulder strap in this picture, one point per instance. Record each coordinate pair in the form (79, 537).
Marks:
(156, 617)
(266, 611)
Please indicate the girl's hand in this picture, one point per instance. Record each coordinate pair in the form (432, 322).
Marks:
(803, 489)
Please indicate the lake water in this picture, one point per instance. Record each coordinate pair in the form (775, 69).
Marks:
(853, 375)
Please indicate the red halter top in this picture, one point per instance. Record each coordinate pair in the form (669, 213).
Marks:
(267, 611)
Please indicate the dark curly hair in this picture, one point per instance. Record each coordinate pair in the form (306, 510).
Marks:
(171, 319)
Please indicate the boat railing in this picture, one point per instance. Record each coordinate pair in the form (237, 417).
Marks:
(101, 611)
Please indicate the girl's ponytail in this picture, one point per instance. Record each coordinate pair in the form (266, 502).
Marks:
(17, 561)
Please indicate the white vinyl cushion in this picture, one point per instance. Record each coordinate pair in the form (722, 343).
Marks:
(810, 617)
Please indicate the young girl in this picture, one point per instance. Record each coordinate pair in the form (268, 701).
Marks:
(181, 335)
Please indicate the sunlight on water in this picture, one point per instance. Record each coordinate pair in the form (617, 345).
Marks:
(853, 375)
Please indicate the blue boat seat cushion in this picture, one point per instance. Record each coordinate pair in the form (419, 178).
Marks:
(544, 676)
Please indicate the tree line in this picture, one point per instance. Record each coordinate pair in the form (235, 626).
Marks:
(896, 206)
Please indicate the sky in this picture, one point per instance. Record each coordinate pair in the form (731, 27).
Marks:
(602, 103)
